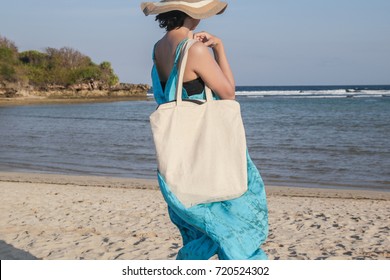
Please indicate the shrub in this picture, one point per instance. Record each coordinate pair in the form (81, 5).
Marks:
(65, 66)
(8, 73)
(108, 76)
(34, 58)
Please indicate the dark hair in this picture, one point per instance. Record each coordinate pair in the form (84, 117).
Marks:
(171, 20)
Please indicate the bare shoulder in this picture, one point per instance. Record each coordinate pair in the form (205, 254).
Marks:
(198, 49)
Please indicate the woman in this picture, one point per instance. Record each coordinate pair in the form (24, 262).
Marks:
(233, 229)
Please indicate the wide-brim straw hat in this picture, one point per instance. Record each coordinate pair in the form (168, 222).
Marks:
(197, 9)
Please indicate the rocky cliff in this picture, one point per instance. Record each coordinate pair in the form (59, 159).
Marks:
(85, 90)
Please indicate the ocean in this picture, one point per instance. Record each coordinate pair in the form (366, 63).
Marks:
(310, 136)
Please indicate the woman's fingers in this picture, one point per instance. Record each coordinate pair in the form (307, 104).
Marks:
(207, 39)
(210, 43)
(202, 36)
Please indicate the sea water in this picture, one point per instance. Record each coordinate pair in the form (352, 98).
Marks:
(336, 137)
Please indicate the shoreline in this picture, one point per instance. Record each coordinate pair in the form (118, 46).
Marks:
(63, 217)
(152, 184)
(25, 101)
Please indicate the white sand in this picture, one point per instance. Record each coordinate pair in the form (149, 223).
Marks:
(72, 217)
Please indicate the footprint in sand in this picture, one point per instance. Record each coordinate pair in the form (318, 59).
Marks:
(139, 241)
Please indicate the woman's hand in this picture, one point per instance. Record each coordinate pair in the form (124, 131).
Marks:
(207, 39)
(214, 71)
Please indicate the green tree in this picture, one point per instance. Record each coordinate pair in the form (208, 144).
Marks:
(8, 60)
(65, 66)
(68, 58)
(34, 58)
(108, 76)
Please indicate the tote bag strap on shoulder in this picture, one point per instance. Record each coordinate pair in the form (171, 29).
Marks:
(179, 88)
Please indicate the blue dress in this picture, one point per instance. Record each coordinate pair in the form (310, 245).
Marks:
(233, 229)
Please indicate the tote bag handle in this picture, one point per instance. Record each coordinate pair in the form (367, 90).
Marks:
(179, 87)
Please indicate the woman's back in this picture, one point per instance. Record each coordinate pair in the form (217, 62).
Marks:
(164, 54)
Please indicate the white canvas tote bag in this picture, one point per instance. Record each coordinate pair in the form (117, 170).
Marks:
(200, 146)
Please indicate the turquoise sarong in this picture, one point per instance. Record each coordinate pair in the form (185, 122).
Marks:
(233, 229)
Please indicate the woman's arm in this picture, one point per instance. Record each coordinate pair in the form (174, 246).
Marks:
(214, 71)
(219, 53)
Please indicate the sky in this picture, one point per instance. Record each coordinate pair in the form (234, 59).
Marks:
(268, 42)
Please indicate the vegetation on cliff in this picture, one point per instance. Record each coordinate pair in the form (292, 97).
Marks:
(61, 67)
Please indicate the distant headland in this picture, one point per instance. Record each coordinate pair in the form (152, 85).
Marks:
(59, 74)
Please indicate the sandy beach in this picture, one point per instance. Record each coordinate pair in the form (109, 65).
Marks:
(74, 217)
